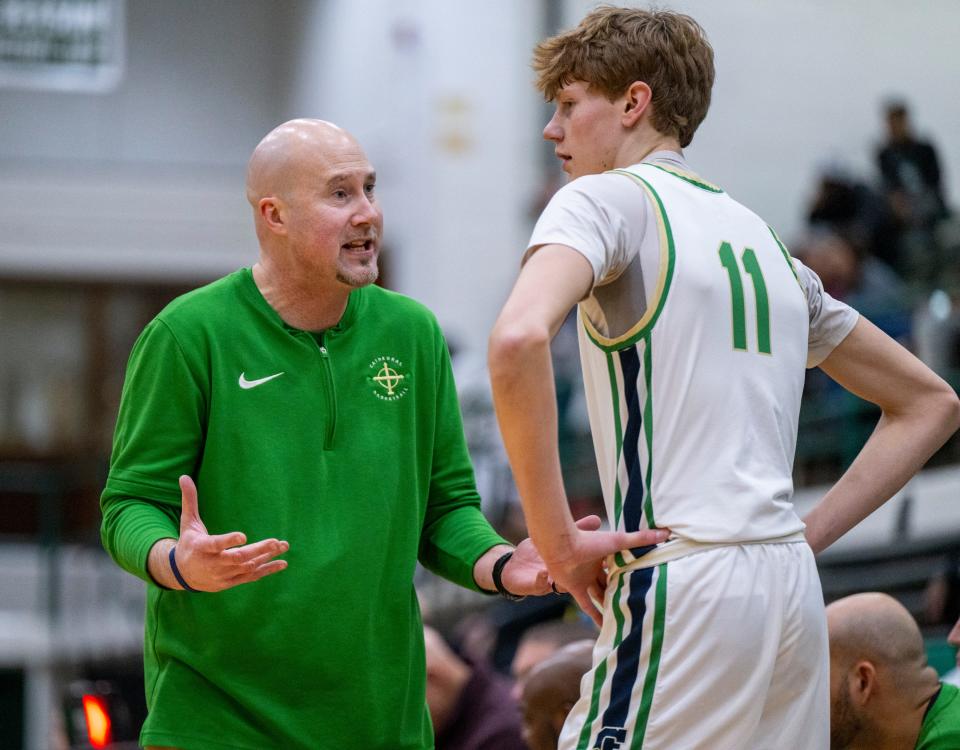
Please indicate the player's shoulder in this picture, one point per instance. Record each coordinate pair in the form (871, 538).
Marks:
(602, 183)
(607, 193)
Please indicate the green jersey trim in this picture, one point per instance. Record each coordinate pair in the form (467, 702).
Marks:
(618, 429)
(667, 262)
(787, 258)
(690, 177)
(648, 427)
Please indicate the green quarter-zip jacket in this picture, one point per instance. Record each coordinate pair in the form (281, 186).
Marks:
(346, 443)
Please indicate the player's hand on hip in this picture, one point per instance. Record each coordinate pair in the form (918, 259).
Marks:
(581, 570)
(217, 562)
(526, 574)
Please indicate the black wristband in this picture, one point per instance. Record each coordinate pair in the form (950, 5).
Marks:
(498, 567)
(176, 570)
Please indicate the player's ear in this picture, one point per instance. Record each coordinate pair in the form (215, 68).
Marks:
(636, 99)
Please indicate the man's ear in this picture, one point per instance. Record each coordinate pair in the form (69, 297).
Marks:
(273, 215)
(636, 101)
(862, 681)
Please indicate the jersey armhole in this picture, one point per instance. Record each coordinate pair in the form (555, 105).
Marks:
(664, 277)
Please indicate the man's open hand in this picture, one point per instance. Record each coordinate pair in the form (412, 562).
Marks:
(217, 562)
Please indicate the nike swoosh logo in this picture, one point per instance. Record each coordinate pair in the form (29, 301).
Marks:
(247, 384)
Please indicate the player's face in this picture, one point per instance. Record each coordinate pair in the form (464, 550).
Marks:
(335, 222)
(586, 130)
(953, 638)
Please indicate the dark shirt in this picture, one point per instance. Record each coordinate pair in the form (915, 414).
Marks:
(912, 167)
(485, 718)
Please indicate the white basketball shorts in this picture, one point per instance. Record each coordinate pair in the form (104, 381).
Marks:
(724, 649)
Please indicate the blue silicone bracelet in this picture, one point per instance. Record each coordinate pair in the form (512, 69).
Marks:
(176, 570)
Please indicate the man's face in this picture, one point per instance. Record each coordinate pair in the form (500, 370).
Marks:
(897, 125)
(334, 221)
(529, 653)
(538, 732)
(845, 724)
(953, 638)
(586, 129)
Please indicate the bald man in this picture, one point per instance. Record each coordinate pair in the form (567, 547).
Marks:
(312, 424)
(543, 640)
(550, 689)
(953, 638)
(883, 694)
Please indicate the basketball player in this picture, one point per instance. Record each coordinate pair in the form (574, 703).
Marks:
(695, 329)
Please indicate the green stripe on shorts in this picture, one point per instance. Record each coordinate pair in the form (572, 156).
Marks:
(653, 666)
(601, 674)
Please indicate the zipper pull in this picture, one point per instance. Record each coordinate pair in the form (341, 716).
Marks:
(323, 351)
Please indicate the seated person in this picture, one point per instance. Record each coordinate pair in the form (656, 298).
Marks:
(470, 707)
(883, 694)
(549, 691)
(543, 640)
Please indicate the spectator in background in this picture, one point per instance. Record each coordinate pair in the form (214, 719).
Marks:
(549, 692)
(910, 171)
(471, 708)
(865, 283)
(540, 642)
(848, 206)
(883, 694)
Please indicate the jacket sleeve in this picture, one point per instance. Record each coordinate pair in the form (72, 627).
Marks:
(158, 437)
(455, 533)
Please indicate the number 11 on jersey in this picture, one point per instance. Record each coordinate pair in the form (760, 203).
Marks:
(752, 266)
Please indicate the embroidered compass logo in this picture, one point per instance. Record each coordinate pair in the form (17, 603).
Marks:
(389, 379)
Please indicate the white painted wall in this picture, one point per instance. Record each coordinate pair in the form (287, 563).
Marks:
(438, 94)
(200, 84)
(799, 83)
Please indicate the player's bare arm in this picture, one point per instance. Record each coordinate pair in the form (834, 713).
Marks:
(920, 411)
(211, 562)
(553, 280)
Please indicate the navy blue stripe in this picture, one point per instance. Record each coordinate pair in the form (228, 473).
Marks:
(628, 653)
(633, 501)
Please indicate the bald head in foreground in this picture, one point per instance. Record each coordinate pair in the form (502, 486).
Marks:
(883, 694)
(549, 692)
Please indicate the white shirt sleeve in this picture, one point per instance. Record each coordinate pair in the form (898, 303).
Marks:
(603, 217)
(830, 319)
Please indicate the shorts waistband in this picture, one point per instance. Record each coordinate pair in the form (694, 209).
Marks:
(677, 547)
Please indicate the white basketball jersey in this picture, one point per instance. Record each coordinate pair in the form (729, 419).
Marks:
(694, 406)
